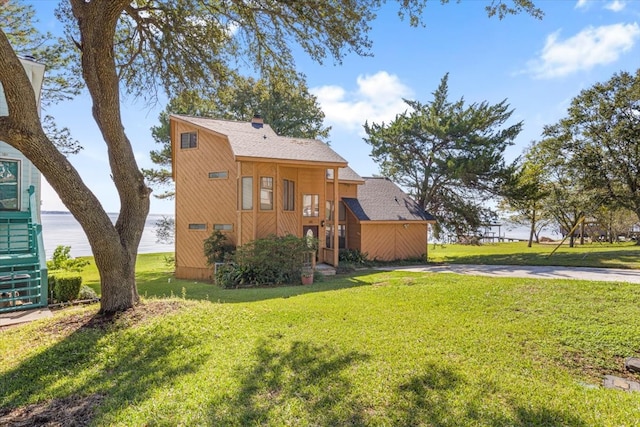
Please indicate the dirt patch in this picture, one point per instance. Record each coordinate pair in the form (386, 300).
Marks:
(596, 372)
(74, 410)
(70, 411)
(90, 319)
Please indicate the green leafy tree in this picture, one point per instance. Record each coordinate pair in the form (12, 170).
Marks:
(143, 48)
(523, 195)
(567, 201)
(448, 155)
(60, 83)
(62, 260)
(283, 100)
(600, 137)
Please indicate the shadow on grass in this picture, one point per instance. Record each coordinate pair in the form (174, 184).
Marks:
(154, 285)
(302, 383)
(124, 363)
(428, 401)
(284, 385)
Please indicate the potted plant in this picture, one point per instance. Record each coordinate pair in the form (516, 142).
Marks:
(307, 276)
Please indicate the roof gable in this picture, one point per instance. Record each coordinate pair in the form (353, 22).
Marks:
(248, 140)
(379, 199)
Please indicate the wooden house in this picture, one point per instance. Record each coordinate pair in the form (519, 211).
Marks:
(244, 180)
(23, 272)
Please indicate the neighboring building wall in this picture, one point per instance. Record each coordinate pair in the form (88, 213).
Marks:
(389, 242)
(29, 174)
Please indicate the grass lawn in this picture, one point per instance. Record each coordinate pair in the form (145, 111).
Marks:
(617, 255)
(396, 349)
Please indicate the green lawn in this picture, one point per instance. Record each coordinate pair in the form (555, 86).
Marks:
(397, 349)
(617, 255)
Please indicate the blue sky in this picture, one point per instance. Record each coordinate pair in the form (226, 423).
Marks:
(537, 65)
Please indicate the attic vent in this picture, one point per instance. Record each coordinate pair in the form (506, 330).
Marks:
(257, 121)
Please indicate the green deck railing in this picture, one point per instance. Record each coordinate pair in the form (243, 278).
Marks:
(23, 267)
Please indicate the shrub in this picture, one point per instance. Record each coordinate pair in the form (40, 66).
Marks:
(61, 260)
(87, 293)
(270, 261)
(353, 256)
(65, 286)
(345, 268)
(216, 247)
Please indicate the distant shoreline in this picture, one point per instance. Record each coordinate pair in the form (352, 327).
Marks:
(108, 213)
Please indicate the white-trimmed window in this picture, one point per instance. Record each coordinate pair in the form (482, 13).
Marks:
(9, 184)
(197, 226)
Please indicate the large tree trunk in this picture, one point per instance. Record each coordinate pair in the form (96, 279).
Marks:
(99, 71)
(114, 246)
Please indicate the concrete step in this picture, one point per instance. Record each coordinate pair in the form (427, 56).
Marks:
(326, 269)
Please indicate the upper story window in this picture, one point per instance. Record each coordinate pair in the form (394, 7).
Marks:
(342, 212)
(310, 205)
(288, 195)
(246, 193)
(188, 140)
(9, 184)
(266, 193)
(330, 174)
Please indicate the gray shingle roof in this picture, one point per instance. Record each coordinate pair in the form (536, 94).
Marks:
(348, 174)
(379, 199)
(246, 140)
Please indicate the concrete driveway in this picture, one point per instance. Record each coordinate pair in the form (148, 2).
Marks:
(535, 272)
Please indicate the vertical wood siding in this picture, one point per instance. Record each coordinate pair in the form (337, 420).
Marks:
(388, 242)
(201, 200)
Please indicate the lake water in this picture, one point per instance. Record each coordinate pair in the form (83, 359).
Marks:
(63, 229)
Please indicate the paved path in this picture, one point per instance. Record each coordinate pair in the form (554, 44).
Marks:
(16, 317)
(536, 272)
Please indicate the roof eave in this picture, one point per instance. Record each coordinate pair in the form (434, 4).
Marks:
(290, 161)
(395, 221)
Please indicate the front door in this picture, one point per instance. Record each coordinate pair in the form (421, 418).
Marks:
(311, 231)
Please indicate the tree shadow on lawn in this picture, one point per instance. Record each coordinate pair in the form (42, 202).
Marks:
(427, 400)
(212, 292)
(293, 383)
(303, 383)
(111, 362)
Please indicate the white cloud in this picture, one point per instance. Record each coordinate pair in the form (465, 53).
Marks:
(590, 47)
(615, 5)
(378, 98)
(581, 4)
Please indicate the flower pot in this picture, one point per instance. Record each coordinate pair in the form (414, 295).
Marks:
(307, 279)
